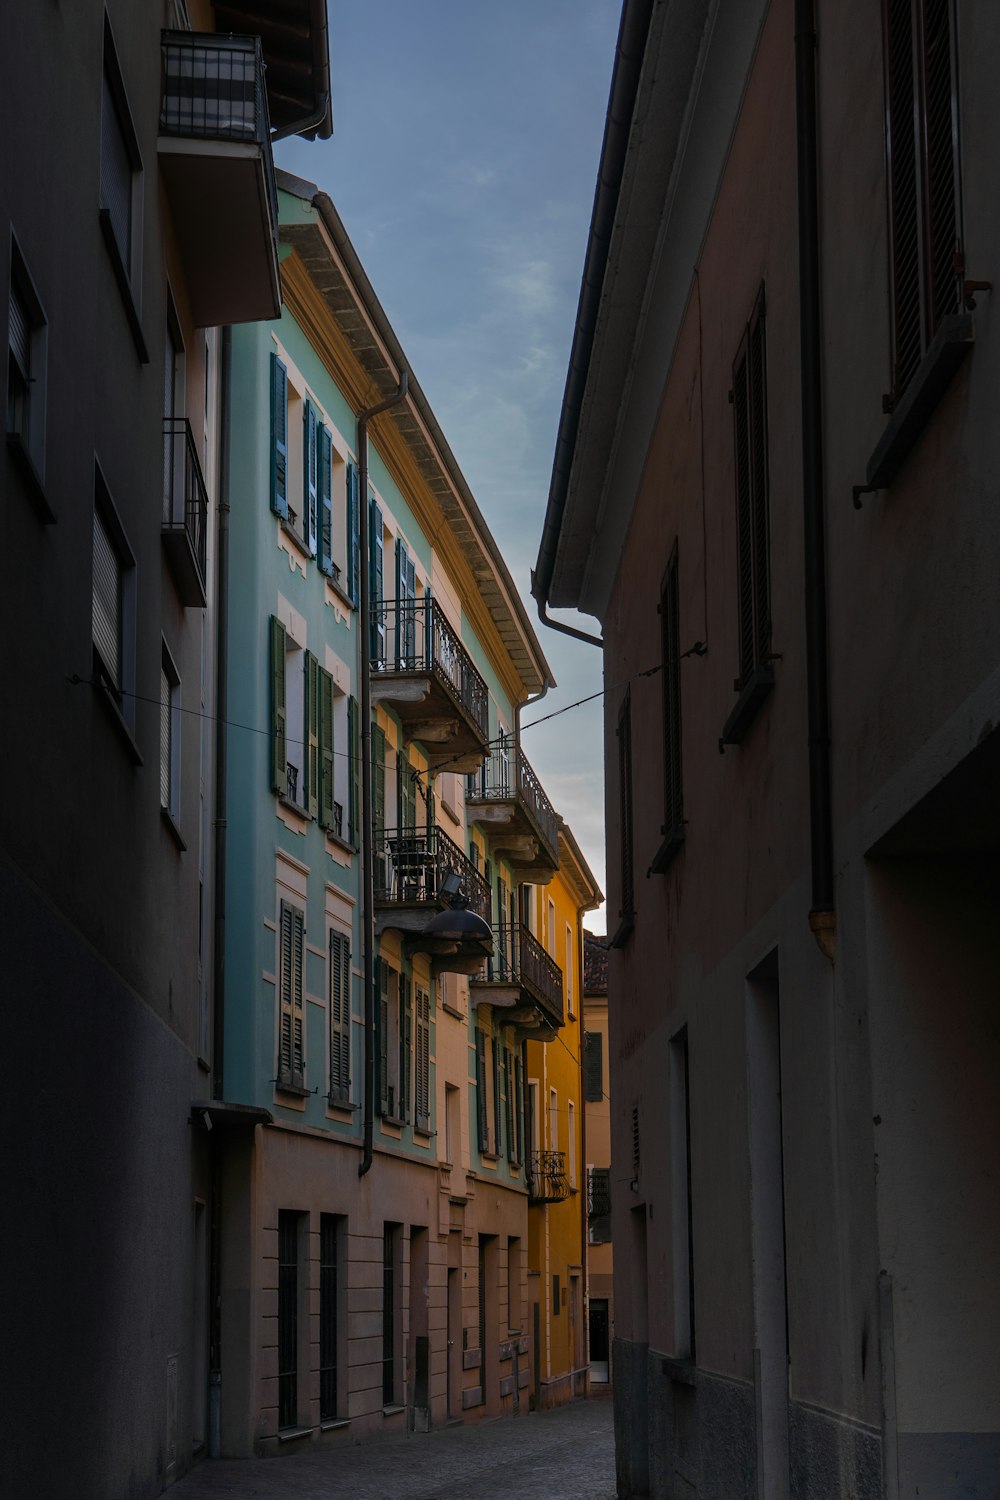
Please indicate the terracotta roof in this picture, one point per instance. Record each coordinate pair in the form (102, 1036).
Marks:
(595, 964)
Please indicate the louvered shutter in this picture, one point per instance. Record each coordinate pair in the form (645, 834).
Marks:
(406, 620)
(423, 1061)
(279, 437)
(310, 476)
(481, 1110)
(291, 1027)
(519, 1105)
(326, 500)
(495, 1057)
(353, 736)
(353, 539)
(326, 768)
(378, 781)
(407, 795)
(510, 1110)
(19, 331)
(382, 1019)
(593, 1066)
(311, 688)
(106, 611)
(944, 248)
(405, 1045)
(298, 1007)
(279, 754)
(116, 175)
(340, 1018)
(164, 737)
(376, 583)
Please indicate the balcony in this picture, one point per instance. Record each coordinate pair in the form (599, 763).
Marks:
(420, 667)
(214, 149)
(546, 1176)
(522, 980)
(507, 800)
(185, 513)
(410, 870)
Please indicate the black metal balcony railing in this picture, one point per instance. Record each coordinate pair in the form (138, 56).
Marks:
(213, 89)
(507, 774)
(546, 1176)
(185, 495)
(414, 636)
(410, 868)
(519, 958)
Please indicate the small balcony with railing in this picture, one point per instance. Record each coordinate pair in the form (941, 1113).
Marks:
(413, 870)
(214, 149)
(507, 800)
(545, 1172)
(423, 672)
(523, 981)
(185, 513)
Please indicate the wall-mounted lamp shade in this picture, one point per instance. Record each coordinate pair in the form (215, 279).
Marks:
(458, 926)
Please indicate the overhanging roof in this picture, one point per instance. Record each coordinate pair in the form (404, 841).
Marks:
(295, 43)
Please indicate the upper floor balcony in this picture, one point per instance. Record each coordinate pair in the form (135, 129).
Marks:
(410, 872)
(523, 980)
(508, 801)
(421, 668)
(214, 149)
(546, 1177)
(185, 512)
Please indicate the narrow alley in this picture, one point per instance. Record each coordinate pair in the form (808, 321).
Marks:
(565, 1454)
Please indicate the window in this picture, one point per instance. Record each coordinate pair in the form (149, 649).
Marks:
(329, 1233)
(750, 429)
(390, 1243)
(682, 1210)
(121, 186)
(113, 606)
(922, 146)
(553, 1120)
(482, 1100)
(302, 728)
(625, 850)
(422, 1062)
(593, 1066)
(598, 1205)
(303, 471)
(288, 1318)
(170, 737)
(568, 971)
(27, 346)
(452, 1123)
(395, 1042)
(291, 1015)
(340, 1018)
(514, 1110)
(571, 1138)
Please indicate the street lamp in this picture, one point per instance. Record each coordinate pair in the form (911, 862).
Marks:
(457, 924)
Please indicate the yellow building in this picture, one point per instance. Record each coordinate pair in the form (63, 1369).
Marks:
(597, 1128)
(557, 1198)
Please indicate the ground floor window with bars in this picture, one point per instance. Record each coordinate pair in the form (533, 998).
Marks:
(329, 1295)
(390, 1256)
(291, 1016)
(288, 1318)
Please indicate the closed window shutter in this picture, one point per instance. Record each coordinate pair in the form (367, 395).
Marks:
(279, 437)
(310, 466)
(107, 603)
(519, 1106)
(625, 806)
(378, 779)
(279, 756)
(326, 500)
(19, 334)
(116, 175)
(673, 818)
(312, 733)
(405, 1045)
(382, 1017)
(291, 1044)
(353, 735)
(164, 738)
(495, 1057)
(407, 795)
(376, 583)
(941, 137)
(593, 1066)
(340, 1017)
(326, 798)
(510, 1112)
(481, 1111)
(423, 1060)
(353, 538)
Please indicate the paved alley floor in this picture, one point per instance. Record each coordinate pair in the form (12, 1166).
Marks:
(567, 1454)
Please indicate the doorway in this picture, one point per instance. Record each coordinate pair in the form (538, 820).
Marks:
(600, 1351)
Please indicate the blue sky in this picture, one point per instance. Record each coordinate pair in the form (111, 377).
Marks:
(463, 163)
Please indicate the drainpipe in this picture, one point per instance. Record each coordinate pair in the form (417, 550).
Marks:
(367, 839)
(822, 917)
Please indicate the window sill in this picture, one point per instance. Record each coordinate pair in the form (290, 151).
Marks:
(120, 722)
(341, 843)
(393, 1409)
(300, 542)
(171, 824)
(625, 929)
(747, 705)
(295, 1090)
(393, 1120)
(294, 807)
(343, 1105)
(680, 1371)
(453, 1011)
(948, 348)
(18, 451)
(424, 1132)
(337, 588)
(124, 287)
(334, 1424)
(289, 1434)
(664, 857)
(492, 1156)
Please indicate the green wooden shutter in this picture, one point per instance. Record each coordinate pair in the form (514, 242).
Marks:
(312, 733)
(310, 476)
(378, 780)
(376, 583)
(340, 1018)
(291, 1017)
(326, 749)
(510, 1112)
(353, 538)
(382, 1023)
(279, 437)
(481, 1112)
(354, 802)
(405, 1045)
(407, 795)
(326, 500)
(406, 619)
(519, 1105)
(422, 1062)
(495, 1050)
(279, 756)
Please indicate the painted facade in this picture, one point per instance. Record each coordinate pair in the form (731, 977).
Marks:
(597, 1114)
(557, 1242)
(397, 1299)
(136, 215)
(802, 984)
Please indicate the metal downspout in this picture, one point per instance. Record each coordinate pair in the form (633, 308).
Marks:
(822, 916)
(367, 833)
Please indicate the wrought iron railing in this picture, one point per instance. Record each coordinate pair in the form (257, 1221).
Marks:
(546, 1176)
(185, 495)
(413, 635)
(507, 774)
(519, 958)
(212, 88)
(411, 867)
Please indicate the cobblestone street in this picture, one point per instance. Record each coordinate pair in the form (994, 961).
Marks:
(567, 1454)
